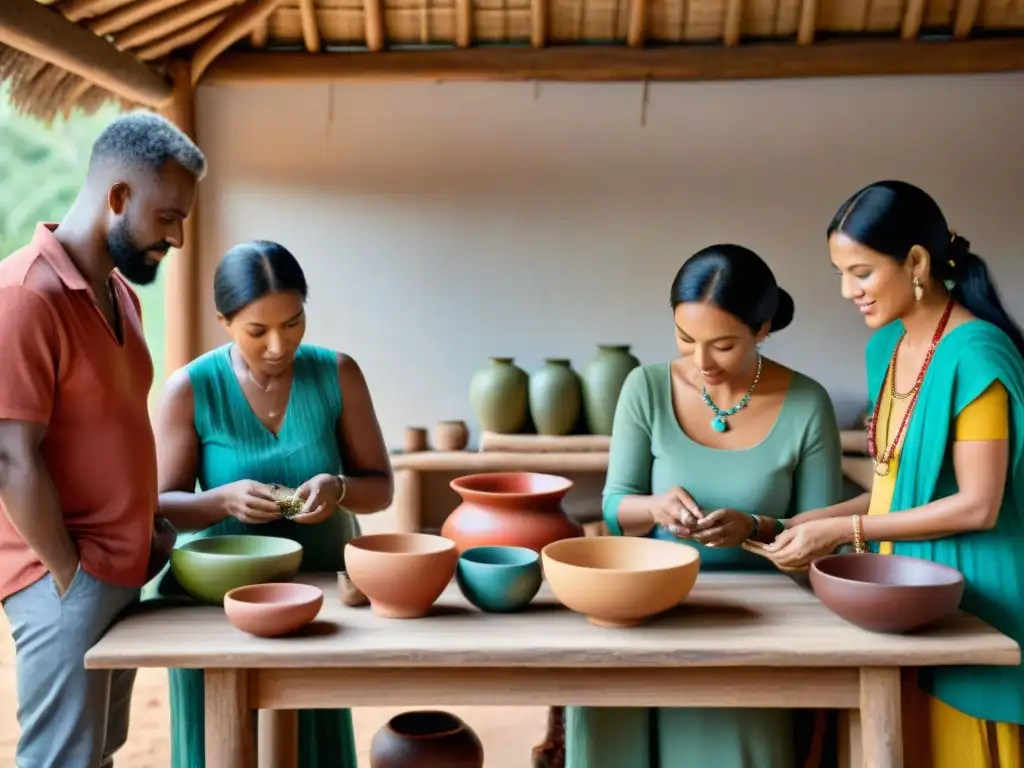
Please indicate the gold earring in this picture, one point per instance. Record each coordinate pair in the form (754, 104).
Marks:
(918, 290)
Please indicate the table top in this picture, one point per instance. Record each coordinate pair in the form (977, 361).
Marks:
(729, 620)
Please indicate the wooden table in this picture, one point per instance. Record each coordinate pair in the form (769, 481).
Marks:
(748, 640)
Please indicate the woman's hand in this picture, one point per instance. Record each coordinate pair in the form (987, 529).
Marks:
(796, 547)
(723, 528)
(322, 495)
(676, 511)
(249, 502)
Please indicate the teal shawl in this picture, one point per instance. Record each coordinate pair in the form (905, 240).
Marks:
(969, 359)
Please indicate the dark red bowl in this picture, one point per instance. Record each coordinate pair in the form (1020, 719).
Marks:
(887, 593)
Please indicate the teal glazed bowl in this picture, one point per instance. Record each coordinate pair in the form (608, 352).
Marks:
(499, 579)
(209, 568)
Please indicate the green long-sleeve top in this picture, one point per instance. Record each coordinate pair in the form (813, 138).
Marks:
(797, 467)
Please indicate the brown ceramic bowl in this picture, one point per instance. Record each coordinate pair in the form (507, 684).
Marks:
(402, 574)
(273, 609)
(619, 581)
(887, 593)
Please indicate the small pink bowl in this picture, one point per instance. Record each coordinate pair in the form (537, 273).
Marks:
(273, 609)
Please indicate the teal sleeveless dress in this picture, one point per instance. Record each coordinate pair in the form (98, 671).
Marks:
(235, 445)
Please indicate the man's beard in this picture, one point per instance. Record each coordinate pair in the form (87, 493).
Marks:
(131, 260)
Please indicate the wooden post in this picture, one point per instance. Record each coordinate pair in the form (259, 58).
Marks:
(182, 304)
(230, 741)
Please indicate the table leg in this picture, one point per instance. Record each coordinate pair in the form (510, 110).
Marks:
(850, 739)
(278, 738)
(880, 717)
(230, 741)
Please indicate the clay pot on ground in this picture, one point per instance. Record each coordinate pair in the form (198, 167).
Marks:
(498, 393)
(415, 440)
(555, 398)
(426, 739)
(510, 509)
(602, 378)
(451, 436)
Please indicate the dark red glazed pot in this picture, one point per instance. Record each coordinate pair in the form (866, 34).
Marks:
(510, 509)
(426, 739)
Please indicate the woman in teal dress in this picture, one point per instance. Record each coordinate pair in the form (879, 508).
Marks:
(708, 450)
(264, 409)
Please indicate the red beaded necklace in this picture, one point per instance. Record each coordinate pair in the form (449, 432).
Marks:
(883, 462)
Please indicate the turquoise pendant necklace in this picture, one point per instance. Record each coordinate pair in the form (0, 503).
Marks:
(719, 423)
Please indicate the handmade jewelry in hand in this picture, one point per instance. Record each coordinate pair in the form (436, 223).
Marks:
(719, 423)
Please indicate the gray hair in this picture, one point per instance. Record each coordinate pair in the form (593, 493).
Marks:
(147, 140)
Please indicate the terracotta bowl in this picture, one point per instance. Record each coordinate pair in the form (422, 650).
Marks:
(402, 574)
(270, 610)
(618, 581)
(887, 593)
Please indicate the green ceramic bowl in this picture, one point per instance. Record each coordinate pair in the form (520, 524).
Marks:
(209, 568)
(499, 579)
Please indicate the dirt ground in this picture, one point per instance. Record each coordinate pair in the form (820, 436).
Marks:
(508, 733)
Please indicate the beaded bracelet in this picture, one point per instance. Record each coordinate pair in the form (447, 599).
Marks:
(858, 537)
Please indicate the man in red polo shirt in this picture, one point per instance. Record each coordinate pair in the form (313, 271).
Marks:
(78, 482)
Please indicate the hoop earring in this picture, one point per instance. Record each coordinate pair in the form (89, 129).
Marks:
(918, 290)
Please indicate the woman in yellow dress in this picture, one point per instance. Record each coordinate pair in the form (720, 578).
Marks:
(946, 377)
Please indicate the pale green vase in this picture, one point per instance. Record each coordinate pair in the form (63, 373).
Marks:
(498, 394)
(555, 397)
(603, 377)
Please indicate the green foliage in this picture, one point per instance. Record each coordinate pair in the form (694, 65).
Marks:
(41, 170)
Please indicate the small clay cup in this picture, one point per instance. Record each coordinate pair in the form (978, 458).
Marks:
(426, 739)
(402, 574)
(499, 579)
(451, 436)
(415, 440)
(273, 609)
(887, 593)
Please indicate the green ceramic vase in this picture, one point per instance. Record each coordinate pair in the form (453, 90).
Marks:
(498, 394)
(555, 397)
(603, 377)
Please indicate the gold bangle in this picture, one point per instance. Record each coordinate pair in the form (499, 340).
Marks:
(858, 536)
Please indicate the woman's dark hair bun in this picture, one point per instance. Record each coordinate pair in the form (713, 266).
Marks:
(737, 280)
(784, 311)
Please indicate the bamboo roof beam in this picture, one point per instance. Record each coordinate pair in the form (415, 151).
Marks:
(310, 28)
(183, 37)
(41, 32)
(733, 22)
(538, 23)
(237, 25)
(808, 22)
(373, 12)
(170, 21)
(76, 10)
(913, 17)
(463, 23)
(605, 64)
(129, 14)
(636, 33)
(258, 38)
(966, 17)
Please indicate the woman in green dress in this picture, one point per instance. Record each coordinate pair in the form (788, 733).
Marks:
(264, 409)
(713, 448)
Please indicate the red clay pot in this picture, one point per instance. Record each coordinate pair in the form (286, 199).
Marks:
(512, 509)
(426, 740)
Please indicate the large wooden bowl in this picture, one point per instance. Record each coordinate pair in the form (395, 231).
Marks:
(618, 581)
(887, 593)
(402, 574)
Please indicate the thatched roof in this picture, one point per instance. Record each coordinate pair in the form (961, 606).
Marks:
(57, 55)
